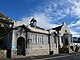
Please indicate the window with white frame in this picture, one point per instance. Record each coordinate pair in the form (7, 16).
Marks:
(45, 39)
(32, 38)
(40, 39)
(37, 38)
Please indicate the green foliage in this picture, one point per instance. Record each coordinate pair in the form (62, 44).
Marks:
(3, 31)
(79, 38)
(2, 46)
(4, 21)
(4, 26)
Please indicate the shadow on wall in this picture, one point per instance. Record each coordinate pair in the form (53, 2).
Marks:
(72, 48)
(77, 49)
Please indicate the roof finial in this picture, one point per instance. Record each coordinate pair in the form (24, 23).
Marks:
(33, 22)
(64, 23)
(33, 16)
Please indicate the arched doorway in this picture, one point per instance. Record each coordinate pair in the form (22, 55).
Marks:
(65, 40)
(65, 43)
(21, 46)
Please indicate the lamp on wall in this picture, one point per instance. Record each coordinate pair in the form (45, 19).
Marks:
(10, 25)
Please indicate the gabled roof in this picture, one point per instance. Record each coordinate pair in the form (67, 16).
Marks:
(37, 29)
(23, 26)
(57, 28)
(26, 29)
(40, 28)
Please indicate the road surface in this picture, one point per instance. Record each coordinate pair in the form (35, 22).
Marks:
(52, 57)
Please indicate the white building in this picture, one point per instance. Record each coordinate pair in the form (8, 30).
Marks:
(64, 38)
(31, 40)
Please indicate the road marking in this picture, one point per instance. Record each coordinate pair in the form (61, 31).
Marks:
(52, 57)
(32, 57)
(74, 57)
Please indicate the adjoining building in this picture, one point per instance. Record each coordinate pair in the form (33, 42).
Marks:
(65, 42)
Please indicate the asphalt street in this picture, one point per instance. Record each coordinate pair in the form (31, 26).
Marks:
(50, 57)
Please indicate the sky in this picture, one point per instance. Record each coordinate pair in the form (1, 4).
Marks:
(48, 13)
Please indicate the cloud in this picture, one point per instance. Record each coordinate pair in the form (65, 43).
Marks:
(78, 27)
(42, 20)
(74, 33)
(58, 9)
(75, 8)
(74, 24)
(54, 10)
(48, 13)
(75, 28)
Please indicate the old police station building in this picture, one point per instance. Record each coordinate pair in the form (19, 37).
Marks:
(31, 40)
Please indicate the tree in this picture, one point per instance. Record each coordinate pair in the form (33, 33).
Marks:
(5, 23)
(79, 39)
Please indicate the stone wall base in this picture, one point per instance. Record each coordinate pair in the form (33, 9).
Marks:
(36, 52)
(3, 53)
(31, 52)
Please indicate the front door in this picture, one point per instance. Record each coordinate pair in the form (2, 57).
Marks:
(21, 46)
